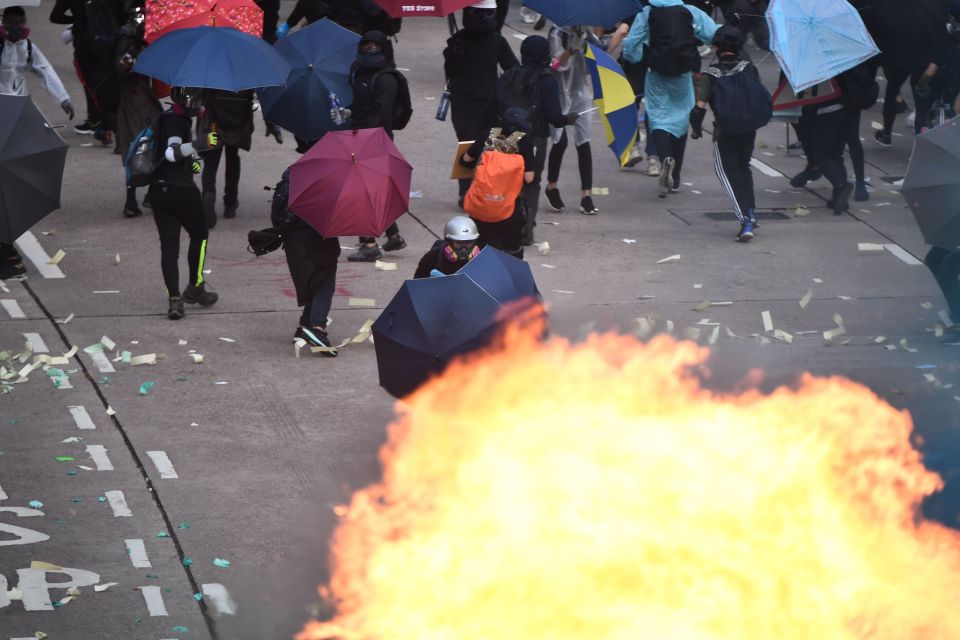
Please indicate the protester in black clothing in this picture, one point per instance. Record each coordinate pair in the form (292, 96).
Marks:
(503, 6)
(375, 90)
(458, 247)
(271, 17)
(177, 203)
(471, 59)
(944, 264)
(749, 17)
(11, 264)
(231, 116)
(511, 91)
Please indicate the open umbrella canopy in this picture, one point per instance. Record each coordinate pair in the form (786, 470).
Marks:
(213, 58)
(351, 183)
(932, 184)
(815, 40)
(422, 8)
(613, 95)
(587, 13)
(32, 156)
(427, 323)
(504, 277)
(164, 16)
(321, 55)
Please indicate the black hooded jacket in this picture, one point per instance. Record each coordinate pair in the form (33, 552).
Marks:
(374, 90)
(471, 59)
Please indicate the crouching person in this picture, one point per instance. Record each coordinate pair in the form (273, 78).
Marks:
(458, 247)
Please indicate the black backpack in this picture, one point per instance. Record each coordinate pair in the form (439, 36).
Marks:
(740, 102)
(519, 87)
(673, 45)
(860, 87)
(102, 26)
(402, 106)
(278, 204)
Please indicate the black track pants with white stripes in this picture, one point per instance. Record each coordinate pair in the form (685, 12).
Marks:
(731, 155)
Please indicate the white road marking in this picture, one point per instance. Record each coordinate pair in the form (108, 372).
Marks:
(162, 462)
(34, 251)
(119, 504)
(899, 251)
(220, 598)
(36, 343)
(103, 364)
(138, 553)
(3, 494)
(765, 169)
(98, 453)
(154, 600)
(12, 307)
(81, 417)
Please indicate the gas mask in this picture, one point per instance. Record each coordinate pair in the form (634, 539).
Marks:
(14, 33)
(460, 250)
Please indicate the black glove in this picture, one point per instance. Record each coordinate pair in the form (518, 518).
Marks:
(572, 117)
(68, 109)
(697, 114)
(469, 164)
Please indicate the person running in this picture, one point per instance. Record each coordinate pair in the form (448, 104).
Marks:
(568, 48)
(458, 247)
(177, 203)
(231, 116)
(672, 33)
(470, 63)
(734, 134)
(376, 90)
(18, 54)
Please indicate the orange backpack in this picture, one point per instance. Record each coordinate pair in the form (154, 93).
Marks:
(496, 185)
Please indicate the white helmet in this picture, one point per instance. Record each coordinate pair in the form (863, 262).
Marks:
(461, 228)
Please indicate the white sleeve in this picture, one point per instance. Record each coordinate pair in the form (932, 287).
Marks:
(48, 77)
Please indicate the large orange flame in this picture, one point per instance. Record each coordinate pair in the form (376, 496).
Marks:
(544, 490)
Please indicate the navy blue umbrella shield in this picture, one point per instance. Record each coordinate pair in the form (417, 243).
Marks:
(504, 277)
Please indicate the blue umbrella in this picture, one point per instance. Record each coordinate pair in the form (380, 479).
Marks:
(213, 58)
(320, 55)
(502, 276)
(588, 13)
(427, 323)
(815, 40)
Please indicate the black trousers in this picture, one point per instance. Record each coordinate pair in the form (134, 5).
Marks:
(670, 146)
(211, 164)
(317, 309)
(732, 154)
(828, 141)
(749, 17)
(271, 16)
(584, 162)
(467, 116)
(945, 267)
(502, 7)
(854, 146)
(176, 207)
(391, 231)
(531, 192)
(896, 76)
(9, 252)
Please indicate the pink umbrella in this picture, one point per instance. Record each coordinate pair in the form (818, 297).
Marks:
(351, 183)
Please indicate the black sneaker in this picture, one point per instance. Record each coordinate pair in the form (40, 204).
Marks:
(883, 139)
(316, 337)
(809, 174)
(586, 206)
(146, 201)
(540, 23)
(175, 310)
(198, 294)
(841, 199)
(131, 210)
(210, 209)
(394, 243)
(230, 210)
(86, 128)
(11, 269)
(365, 254)
(275, 131)
(553, 197)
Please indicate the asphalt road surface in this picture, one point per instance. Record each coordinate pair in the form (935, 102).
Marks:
(207, 501)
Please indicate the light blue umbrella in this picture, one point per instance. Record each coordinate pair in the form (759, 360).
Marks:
(815, 40)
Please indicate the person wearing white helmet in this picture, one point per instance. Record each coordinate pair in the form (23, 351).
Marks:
(458, 247)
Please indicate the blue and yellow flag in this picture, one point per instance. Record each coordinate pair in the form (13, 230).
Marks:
(614, 97)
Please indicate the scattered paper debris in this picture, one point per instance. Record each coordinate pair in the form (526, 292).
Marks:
(65, 320)
(221, 382)
(103, 587)
(197, 358)
(562, 291)
(35, 504)
(906, 347)
(880, 339)
(672, 258)
(362, 302)
(805, 300)
(548, 266)
(181, 342)
(926, 305)
(767, 321)
(780, 334)
(869, 246)
(801, 211)
(147, 358)
(220, 562)
(543, 247)
(629, 241)
(107, 343)
(228, 339)
(945, 318)
(110, 411)
(601, 191)
(938, 330)
(846, 298)
(416, 194)
(385, 266)
(145, 388)
(57, 257)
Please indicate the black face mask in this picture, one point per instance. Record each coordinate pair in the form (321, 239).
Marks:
(372, 60)
(480, 20)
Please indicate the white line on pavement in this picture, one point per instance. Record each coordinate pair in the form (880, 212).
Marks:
(218, 595)
(98, 453)
(899, 251)
(138, 553)
(765, 169)
(154, 600)
(100, 359)
(36, 343)
(119, 504)
(12, 307)
(32, 248)
(163, 465)
(81, 417)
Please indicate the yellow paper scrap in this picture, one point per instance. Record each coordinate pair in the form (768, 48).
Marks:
(73, 591)
(298, 344)
(362, 302)
(108, 344)
(362, 334)
(103, 587)
(197, 358)
(833, 333)
(838, 319)
(385, 266)
(890, 347)
(57, 257)
(644, 328)
(672, 258)
(601, 191)
(71, 353)
(543, 247)
(40, 635)
(45, 566)
(147, 358)
(780, 334)
(805, 300)
(801, 211)
(869, 246)
(767, 321)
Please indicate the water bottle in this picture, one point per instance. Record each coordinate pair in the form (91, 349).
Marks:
(336, 111)
(939, 114)
(444, 105)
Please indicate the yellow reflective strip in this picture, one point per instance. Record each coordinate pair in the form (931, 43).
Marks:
(203, 257)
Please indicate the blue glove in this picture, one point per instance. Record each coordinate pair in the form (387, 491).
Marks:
(283, 30)
(436, 273)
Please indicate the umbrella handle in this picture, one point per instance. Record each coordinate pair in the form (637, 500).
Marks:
(588, 111)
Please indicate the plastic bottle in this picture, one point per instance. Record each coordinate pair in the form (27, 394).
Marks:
(444, 105)
(336, 111)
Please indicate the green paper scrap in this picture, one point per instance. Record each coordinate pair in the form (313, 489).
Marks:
(76, 500)
(167, 590)
(145, 388)
(57, 604)
(12, 421)
(220, 562)
(102, 499)
(187, 561)
(125, 357)
(64, 458)
(35, 504)
(62, 521)
(163, 534)
(137, 620)
(183, 525)
(104, 380)
(93, 348)
(72, 473)
(153, 575)
(198, 596)
(180, 629)
(181, 378)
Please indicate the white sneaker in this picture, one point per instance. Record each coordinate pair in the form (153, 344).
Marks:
(912, 118)
(529, 17)
(653, 166)
(636, 155)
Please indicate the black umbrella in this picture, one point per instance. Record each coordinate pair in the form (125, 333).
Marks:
(32, 156)
(908, 32)
(932, 184)
(426, 324)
